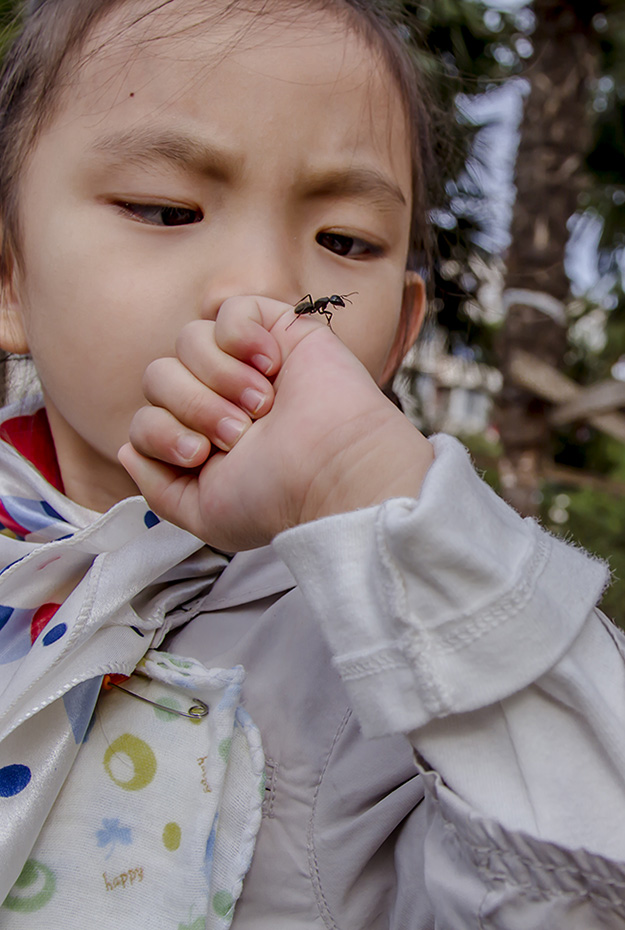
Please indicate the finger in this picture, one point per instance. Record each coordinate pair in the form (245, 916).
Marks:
(259, 330)
(243, 330)
(157, 434)
(171, 493)
(291, 328)
(234, 380)
(168, 384)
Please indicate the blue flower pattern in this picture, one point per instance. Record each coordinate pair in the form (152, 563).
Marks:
(112, 833)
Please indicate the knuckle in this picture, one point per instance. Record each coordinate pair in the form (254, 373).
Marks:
(194, 333)
(235, 313)
(230, 305)
(197, 409)
(157, 372)
(141, 426)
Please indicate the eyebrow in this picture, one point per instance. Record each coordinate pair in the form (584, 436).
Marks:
(142, 146)
(360, 182)
(139, 146)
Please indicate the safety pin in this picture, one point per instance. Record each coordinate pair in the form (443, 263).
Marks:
(197, 710)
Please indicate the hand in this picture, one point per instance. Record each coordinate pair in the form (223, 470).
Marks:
(316, 435)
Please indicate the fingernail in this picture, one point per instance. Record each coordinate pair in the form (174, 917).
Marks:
(262, 362)
(187, 447)
(229, 430)
(252, 400)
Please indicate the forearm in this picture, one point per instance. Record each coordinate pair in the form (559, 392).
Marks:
(473, 632)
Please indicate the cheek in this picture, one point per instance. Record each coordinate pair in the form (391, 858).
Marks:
(90, 312)
(89, 361)
(371, 335)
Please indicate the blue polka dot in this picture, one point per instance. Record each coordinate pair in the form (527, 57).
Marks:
(5, 613)
(51, 511)
(150, 519)
(13, 779)
(55, 633)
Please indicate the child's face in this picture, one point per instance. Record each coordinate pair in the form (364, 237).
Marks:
(176, 175)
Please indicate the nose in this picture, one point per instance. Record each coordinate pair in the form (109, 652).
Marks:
(258, 258)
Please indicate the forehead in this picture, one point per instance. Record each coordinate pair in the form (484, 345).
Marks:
(155, 64)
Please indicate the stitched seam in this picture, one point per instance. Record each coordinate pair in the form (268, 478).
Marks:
(414, 641)
(436, 693)
(271, 772)
(503, 875)
(484, 854)
(395, 587)
(480, 912)
(595, 899)
(364, 665)
(313, 864)
(504, 610)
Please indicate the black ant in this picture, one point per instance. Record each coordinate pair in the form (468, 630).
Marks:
(308, 305)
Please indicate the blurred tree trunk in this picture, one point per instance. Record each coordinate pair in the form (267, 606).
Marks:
(556, 134)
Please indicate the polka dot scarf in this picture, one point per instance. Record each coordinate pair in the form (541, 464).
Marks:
(130, 811)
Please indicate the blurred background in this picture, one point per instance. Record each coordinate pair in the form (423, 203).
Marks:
(523, 356)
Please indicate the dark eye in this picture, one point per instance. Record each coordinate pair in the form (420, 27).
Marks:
(349, 246)
(161, 215)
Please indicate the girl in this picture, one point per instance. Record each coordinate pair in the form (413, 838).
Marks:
(174, 177)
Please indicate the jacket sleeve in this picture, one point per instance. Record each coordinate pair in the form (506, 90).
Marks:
(475, 633)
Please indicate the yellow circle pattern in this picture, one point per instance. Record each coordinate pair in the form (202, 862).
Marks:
(171, 836)
(142, 762)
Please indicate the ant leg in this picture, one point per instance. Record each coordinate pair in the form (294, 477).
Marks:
(328, 315)
(305, 305)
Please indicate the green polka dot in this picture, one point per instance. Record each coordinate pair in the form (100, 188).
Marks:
(224, 748)
(33, 873)
(223, 902)
(261, 787)
(198, 924)
(171, 836)
(179, 663)
(167, 701)
(139, 763)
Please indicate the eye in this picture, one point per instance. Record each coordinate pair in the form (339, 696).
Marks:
(158, 214)
(348, 246)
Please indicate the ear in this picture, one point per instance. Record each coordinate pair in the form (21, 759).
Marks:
(12, 333)
(410, 322)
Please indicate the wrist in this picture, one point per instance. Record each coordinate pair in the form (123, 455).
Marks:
(383, 457)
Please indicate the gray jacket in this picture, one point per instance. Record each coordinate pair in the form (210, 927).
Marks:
(446, 630)
(341, 813)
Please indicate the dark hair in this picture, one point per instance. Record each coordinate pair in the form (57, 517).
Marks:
(52, 33)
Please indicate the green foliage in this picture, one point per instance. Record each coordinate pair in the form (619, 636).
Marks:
(590, 517)
(464, 48)
(605, 161)
(596, 520)
(469, 50)
(467, 47)
(467, 42)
